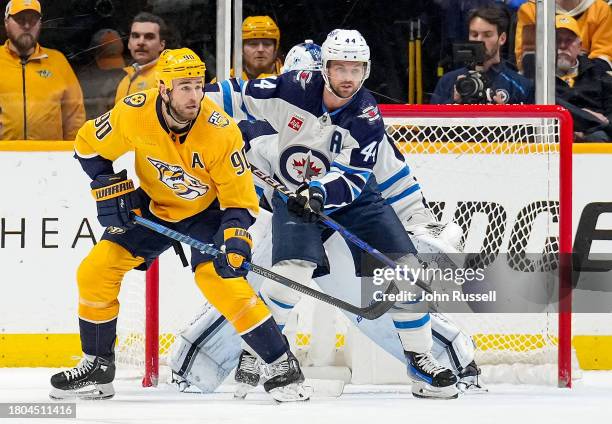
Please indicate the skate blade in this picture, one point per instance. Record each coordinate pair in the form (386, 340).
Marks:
(291, 393)
(95, 392)
(423, 390)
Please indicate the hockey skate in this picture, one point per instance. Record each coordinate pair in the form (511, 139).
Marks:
(92, 378)
(247, 374)
(284, 379)
(470, 381)
(430, 380)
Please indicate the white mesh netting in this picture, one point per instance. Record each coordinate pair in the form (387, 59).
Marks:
(498, 179)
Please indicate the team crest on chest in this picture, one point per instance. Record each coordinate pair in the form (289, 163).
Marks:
(44, 73)
(295, 123)
(218, 120)
(180, 182)
(299, 164)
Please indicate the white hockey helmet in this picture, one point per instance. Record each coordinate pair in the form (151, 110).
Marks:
(305, 56)
(347, 45)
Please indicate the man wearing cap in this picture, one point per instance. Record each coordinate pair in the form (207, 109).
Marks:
(40, 96)
(100, 77)
(146, 42)
(594, 18)
(581, 85)
(260, 42)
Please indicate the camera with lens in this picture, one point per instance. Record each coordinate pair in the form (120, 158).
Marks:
(473, 87)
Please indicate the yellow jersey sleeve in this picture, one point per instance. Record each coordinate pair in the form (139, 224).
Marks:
(104, 136)
(231, 174)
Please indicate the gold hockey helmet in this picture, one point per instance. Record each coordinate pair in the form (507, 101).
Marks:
(260, 27)
(178, 63)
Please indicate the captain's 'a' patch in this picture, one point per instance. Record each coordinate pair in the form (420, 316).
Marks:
(218, 120)
(135, 100)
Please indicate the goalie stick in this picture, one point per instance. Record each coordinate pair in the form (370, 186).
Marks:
(371, 312)
(286, 192)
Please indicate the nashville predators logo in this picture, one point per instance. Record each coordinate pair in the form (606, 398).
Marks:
(218, 120)
(135, 100)
(184, 185)
(44, 73)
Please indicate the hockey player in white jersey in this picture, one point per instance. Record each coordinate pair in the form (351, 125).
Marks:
(330, 132)
(452, 347)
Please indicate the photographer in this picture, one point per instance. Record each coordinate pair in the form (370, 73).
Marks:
(493, 80)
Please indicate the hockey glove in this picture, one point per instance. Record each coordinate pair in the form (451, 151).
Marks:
(306, 203)
(116, 200)
(237, 247)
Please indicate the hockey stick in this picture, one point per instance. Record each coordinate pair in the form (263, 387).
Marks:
(286, 192)
(373, 311)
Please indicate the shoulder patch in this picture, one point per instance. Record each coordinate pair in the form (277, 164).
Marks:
(135, 100)
(218, 120)
(370, 113)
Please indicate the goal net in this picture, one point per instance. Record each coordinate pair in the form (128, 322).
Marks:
(503, 174)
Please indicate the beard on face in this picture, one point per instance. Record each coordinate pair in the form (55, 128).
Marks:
(24, 42)
(564, 63)
(491, 54)
(176, 114)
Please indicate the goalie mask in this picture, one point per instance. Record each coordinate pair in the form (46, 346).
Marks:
(305, 56)
(345, 45)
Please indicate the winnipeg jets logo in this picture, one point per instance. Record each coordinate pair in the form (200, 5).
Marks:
(299, 164)
(306, 168)
(303, 77)
(184, 185)
(370, 113)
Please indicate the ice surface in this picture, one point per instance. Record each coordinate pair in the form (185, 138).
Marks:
(589, 402)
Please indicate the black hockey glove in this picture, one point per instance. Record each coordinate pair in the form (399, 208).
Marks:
(237, 247)
(306, 203)
(116, 200)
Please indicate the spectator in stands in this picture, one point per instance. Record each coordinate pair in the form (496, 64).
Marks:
(488, 25)
(99, 78)
(585, 87)
(594, 19)
(260, 42)
(40, 96)
(147, 40)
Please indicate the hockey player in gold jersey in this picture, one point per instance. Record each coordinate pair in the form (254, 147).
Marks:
(189, 158)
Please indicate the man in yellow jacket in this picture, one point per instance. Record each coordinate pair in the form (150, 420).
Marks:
(40, 96)
(260, 42)
(594, 19)
(147, 40)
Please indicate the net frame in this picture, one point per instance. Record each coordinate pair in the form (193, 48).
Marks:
(450, 112)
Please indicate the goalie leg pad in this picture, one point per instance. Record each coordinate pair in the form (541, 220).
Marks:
(452, 347)
(207, 351)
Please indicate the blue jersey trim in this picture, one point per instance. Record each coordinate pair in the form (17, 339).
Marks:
(227, 98)
(404, 172)
(417, 323)
(363, 173)
(405, 193)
